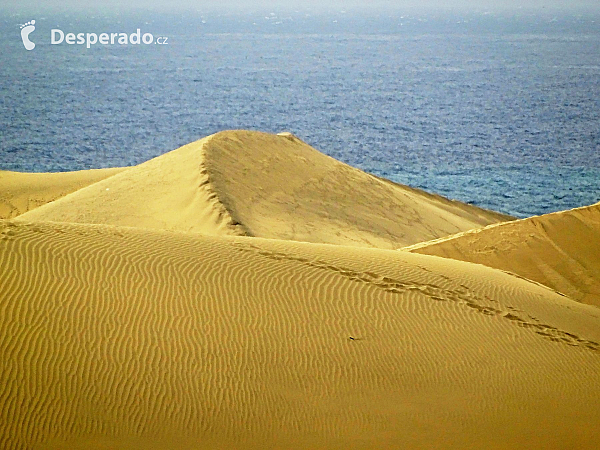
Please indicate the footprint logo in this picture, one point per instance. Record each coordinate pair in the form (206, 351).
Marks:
(26, 30)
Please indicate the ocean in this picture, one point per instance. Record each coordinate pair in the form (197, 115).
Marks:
(498, 110)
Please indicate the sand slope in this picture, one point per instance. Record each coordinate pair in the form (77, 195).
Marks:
(170, 340)
(21, 192)
(560, 250)
(171, 192)
(273, 186)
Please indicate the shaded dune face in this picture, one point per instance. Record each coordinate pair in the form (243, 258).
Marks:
(264, 185)
(560, 250)
(280, 187)
(125, 337)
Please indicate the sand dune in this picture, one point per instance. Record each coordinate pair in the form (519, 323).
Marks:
(560, 250)
(114, 337)
(272, 186)
(160, 317)
(21, 192)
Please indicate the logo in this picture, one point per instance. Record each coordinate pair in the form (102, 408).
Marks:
(58, 37)
(26, 30)
(89, 39)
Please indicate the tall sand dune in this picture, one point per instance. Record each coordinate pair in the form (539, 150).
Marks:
(264, 185)
(22, 192)
(560, 250)
(116, 337)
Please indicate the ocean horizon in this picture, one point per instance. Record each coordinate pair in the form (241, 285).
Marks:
(500, 111)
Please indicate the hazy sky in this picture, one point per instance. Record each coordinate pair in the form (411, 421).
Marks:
(475, 5)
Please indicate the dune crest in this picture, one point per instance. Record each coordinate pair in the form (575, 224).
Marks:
(21, 192)
(170, 192)
(280, 187)
(273, 186)
(117, 336)
(560, 250)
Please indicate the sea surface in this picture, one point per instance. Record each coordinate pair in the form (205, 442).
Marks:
(499, 110)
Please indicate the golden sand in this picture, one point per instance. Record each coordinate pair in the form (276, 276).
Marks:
(128, 325)
(21, 192)
(560, 250)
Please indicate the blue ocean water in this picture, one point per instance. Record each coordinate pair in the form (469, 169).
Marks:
(498, 110)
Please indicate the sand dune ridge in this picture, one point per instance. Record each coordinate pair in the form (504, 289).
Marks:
(273, 186)
(560, 250)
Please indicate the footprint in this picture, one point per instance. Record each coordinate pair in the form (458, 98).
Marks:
(26, 30)
(461, 295)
